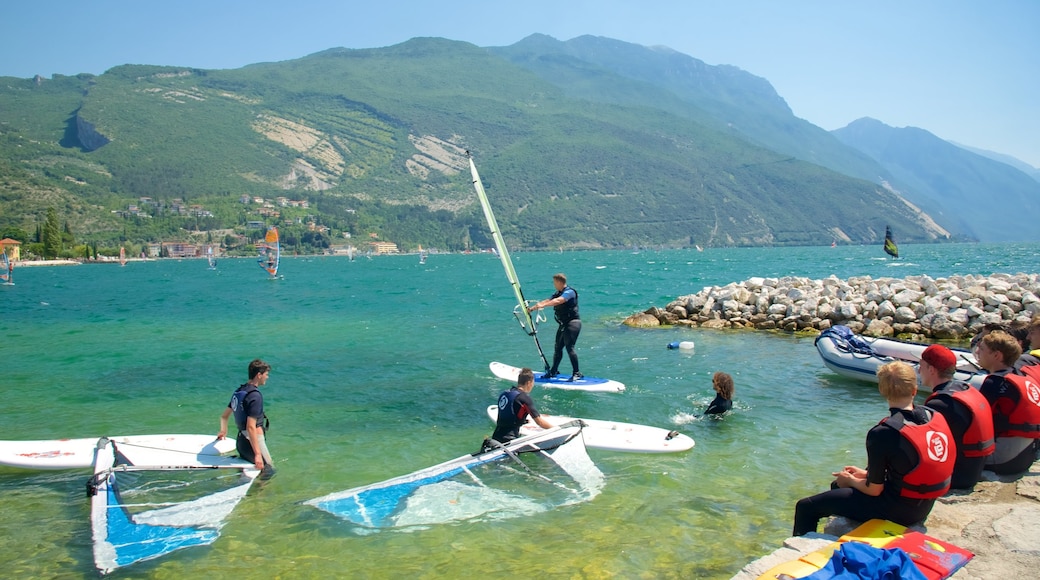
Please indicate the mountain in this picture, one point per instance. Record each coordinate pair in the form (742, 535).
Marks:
(1003, 158)
(993, 200)
(724, 97)
(374, 141)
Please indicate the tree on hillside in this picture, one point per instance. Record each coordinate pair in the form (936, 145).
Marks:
(67, 239)
(15, 233)
(51, 235)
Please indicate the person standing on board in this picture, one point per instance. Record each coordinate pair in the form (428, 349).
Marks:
(514, 406)
(247, 405)
(966, 411)
(565, 305)
(910, 460)
(1015, 401)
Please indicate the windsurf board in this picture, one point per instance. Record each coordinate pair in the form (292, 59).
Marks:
(183, 450)
(614, 435)
(510, 373)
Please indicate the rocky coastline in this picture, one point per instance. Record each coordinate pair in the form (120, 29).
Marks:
(914, 307)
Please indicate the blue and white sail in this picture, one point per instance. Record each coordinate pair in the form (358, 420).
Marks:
(530, 475)
(141, 512)
(6, 269)
(211, 258)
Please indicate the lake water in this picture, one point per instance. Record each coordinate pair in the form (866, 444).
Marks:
(380, 368)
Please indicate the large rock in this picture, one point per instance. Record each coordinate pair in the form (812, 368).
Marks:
(642, 320)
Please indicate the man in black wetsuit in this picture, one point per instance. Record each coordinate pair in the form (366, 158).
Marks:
(565, 305)
(247, 405)
(966, 411)
(514, 406)
(910, 458)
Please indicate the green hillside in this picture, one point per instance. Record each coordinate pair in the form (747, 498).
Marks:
(374, 141)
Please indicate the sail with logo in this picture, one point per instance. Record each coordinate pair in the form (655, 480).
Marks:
(890, 244)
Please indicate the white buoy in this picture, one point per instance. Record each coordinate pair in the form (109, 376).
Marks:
(686, 345)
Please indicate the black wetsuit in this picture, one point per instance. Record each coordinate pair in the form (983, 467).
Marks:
(967, 471)
(719, 405)
(1003, 397)
(514, 406)
(889, 458)
(247, 402)
(568, 331)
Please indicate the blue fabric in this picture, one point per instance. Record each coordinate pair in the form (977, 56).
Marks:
(856, 561)
(847, 340)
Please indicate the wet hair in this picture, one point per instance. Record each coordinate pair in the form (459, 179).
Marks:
(986, 329)
(526, 376)
(561, 277)
(897, 380)
(1020, 330)
(256, 367)
(723, 384)
(1005, 344)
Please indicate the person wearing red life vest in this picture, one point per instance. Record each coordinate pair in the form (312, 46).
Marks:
(966, 411)
(1015, 401)
(910, 459)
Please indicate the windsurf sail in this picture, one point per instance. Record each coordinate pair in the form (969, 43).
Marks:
(209, 257)
(422, 255)
(270, 252)
(553, 466)
(142, 512)
(890, 244)
(6, 269)
(122, 256)
(522, 311)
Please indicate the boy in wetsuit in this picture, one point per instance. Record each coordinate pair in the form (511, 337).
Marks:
(723, 385)
(247, 405)
(910, 459)
(514, 406)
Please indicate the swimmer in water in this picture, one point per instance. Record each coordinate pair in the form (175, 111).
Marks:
(723, 385)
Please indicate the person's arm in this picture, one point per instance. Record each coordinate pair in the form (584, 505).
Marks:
(548, 302)
(254, 441)
(542, 422)
(223, 423)
(858, 480)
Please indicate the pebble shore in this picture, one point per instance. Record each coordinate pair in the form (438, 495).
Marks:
(999, 521)
(915, 307)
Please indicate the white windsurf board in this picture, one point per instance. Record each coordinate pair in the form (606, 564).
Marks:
(614, 435)
(510, 373)
(182, 450)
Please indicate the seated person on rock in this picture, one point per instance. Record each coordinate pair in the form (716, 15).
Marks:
(965, 410)
(910, 459)
(1015, 401)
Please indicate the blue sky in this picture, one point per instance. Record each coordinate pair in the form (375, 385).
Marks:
(965, 70)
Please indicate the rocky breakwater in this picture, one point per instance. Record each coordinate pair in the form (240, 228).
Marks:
(913, 307)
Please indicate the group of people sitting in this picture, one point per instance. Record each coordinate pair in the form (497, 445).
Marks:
(918, 453)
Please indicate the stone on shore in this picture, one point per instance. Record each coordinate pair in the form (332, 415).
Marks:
(917, 307)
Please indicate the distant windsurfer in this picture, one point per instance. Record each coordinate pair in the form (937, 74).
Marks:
(565, 305)
(514, 406)
(247, 405)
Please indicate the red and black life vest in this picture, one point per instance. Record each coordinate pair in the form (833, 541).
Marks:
(1024, 419)
(936, 455)
(978, 437)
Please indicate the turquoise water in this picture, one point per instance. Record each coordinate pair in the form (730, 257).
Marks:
(380, 368)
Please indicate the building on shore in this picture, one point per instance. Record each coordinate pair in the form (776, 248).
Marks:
(12, 247)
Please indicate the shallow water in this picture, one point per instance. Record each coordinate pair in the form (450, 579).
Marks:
(380, 368)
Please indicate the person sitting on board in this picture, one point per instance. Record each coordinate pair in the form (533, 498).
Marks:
(910, 459)
(565, 305)
(247, 405)
(514, 406)
(1015, 401)
(723, 385)
(965, 409)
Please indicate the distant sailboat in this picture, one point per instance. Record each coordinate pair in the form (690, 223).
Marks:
(890, 245)
(422, 255)
(212, 260)
(122, 256)
(6, 269)
(270, 252)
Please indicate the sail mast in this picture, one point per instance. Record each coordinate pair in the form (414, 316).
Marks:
(522, 312)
